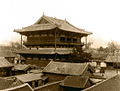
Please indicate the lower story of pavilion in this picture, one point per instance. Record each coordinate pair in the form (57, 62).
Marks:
(44, 56)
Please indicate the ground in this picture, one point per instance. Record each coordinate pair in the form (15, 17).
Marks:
(111, 72)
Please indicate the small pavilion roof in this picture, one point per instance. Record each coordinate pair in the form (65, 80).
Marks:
(20, 67)
(7, 53)
(30, 77)
(75, 81)
(4, 63)
(113, 58)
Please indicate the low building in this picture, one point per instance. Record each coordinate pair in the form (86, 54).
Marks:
(35, 71)
(98, 57)
(34, 80)
(23, 87)
(50, 87)
(5, 67)
(8, 54)
(6, 83)
(20, 69)
(57, 71)
(75, 83)
(113, 61)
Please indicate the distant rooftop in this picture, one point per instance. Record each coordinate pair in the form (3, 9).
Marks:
(113, 58)
(20, 67)
(7, 53)
(4, 63)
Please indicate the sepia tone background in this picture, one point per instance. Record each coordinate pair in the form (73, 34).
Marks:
(100, 17)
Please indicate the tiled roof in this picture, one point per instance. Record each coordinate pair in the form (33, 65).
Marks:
(8, 83)
(47, 87)
(7, 53)
(35, 71)
(22, 67)
(99, 56)
(29, 77)
(114, 58)
(23, 87)
(38, 27)
(66, 68)
(45, 51)
(4, 63)
(53, 23)
(111, 84)
(75, 81)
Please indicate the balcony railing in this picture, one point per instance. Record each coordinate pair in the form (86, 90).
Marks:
(51, 43)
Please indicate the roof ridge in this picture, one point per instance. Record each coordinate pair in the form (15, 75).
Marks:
(56, 19)
(47, 65)
(86, 80)
(47, 17)
(86, 65)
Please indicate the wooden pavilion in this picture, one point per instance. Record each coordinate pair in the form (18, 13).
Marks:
(50, 39)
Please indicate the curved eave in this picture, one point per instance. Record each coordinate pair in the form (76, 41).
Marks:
(23, 31)
(79, 32)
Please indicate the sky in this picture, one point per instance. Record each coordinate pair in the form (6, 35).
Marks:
(101, 17)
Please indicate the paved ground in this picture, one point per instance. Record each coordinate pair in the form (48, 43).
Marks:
(110, 73)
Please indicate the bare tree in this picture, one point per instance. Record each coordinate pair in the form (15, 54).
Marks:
(113, 47)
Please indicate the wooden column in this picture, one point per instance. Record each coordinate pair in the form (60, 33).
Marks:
(55, 44)
(86, 41)
(21, 41)
(55, 40)
(21, 48)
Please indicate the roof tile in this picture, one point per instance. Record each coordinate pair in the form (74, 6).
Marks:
(65, 68)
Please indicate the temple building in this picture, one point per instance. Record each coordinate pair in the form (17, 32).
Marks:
(50, 39)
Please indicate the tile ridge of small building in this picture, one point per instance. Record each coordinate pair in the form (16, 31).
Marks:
(87, 78)
(47, 85)
(85, 68)
(17, 87)
(47, 65)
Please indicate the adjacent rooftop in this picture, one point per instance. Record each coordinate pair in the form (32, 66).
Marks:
(67, 68)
